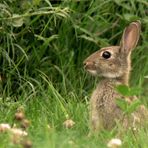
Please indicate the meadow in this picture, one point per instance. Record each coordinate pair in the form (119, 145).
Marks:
(43, 45)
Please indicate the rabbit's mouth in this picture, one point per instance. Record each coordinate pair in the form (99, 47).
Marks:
(93, 72)
(90, 67)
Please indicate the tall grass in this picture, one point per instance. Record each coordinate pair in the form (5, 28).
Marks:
(55, 37)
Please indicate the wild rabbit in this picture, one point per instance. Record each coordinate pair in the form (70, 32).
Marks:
(113, 65)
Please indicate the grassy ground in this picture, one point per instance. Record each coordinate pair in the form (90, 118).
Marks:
(43, 45)
(47, 129)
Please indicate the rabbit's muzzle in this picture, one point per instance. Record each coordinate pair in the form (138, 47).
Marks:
(90, 67)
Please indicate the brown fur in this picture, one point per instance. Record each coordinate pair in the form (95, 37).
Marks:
(114, 71)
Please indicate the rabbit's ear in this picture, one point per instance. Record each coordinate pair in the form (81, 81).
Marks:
(130, 37)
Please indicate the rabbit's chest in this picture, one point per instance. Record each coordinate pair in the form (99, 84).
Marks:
(104, 101)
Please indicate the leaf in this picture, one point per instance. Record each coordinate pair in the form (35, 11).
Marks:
(134, 91)
(88, 38)
(17, 20)
(146, 77)
(130, 17)
(123, 89)
(126, 91)
(132, 107)
(123, 104)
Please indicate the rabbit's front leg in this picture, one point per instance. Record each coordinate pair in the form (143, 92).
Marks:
(95, 119)
(95, 122)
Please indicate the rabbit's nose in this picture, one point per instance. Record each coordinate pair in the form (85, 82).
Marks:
(88, 64)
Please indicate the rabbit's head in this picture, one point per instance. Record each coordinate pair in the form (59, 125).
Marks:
(114, 61)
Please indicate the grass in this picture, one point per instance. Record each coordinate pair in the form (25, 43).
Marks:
(43, 45)
(42, 112)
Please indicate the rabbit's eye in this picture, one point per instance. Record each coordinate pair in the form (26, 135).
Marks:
(106, 55)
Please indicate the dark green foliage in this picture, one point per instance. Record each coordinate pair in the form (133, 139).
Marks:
(54, 37)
